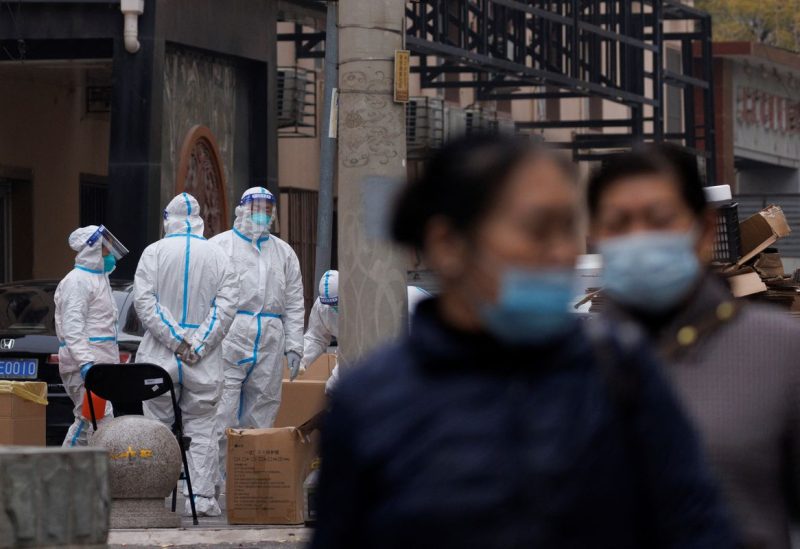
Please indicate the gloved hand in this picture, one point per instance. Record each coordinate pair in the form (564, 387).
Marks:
(183, 348)
(190, 357)
(85, 369)
(293, 359)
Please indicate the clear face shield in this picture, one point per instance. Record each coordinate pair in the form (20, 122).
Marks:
(259, 208)
(108, 241)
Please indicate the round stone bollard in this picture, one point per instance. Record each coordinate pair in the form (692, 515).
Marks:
(144, 466)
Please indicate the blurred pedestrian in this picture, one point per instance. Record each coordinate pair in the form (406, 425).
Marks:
(269, 319)
(86, 318)
(185, 295)
(499, 421)
(734, 365)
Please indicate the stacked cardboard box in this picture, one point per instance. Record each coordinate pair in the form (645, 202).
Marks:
(267, 467)
(758, 273)
(22, 413)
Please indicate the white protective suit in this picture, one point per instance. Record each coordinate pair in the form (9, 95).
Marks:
(86, 325)
(323, 325)
(269, 323)
(185, 290)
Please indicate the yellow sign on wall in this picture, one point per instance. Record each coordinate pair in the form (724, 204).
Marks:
(402, 75)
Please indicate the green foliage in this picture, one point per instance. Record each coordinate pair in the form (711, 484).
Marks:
(773, 22)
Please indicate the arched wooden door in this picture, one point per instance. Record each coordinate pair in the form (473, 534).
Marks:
(200, 174)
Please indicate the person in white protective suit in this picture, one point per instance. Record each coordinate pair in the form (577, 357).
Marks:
(269, 319)
(323, 323)
(185, 294)
(86, 318)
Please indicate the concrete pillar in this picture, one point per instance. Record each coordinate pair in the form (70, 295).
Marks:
(53, 497)
(372, 142)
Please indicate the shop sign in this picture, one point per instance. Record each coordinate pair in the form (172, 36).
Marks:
(766, 113)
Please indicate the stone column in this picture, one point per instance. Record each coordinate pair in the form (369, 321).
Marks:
(53, 497)
(372, 142)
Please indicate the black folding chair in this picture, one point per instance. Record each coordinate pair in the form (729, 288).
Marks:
(127, 386)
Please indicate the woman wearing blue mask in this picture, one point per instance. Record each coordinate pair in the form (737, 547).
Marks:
(734, 366)
(497, 422)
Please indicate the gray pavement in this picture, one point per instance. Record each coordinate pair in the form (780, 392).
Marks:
(212, 532)
(201, 536)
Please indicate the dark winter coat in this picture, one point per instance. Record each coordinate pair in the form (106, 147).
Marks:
(447, 439)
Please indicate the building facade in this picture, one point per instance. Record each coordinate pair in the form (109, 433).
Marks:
(95, 132)
(758, 130)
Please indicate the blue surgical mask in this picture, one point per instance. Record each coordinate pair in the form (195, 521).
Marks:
(261, 219)
(650, 272)
(109, 263)
(533, 306)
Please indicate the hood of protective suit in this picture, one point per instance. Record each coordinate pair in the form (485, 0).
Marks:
(182, 215)
(329, 288)
(89, 257)
(244, 224)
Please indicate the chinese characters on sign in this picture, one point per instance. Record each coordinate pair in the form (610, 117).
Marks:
(767, 110)
(402, 72)
(131, 454)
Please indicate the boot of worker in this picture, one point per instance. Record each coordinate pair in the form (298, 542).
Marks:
(205, 507)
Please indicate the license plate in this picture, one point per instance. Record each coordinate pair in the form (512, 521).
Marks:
(19, 368)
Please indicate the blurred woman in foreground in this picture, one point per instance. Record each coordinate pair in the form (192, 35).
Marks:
(734, 366)
(497, 422)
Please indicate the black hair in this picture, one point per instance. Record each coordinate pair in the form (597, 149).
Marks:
(460, 183)
(653, 159)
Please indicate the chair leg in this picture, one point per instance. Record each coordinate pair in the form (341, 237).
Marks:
(188, 483)
(175, 498)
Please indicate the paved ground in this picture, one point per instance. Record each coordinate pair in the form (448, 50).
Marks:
(209, 537)
(212, 533)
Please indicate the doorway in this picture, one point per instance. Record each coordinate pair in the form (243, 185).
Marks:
(5, 232)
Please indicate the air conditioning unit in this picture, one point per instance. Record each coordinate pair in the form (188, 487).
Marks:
(292, 96)
(477, 121)
(501, 124)
(456, 122)
(425, 124)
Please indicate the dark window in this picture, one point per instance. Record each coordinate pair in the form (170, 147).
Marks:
(552, 106)
(596, 108)
(674, 94)
(94, 195)
(27, 309)
(16, 225)
(302, 237)
(5, 232)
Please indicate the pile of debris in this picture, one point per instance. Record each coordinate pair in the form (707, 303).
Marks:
(745, 253)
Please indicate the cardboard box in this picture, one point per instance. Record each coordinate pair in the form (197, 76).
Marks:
(320, 369)
(267, 467)
(762, 230)
(770, 265)
(300, 401)
(266, 471)
(747, 283)
(22, 421)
